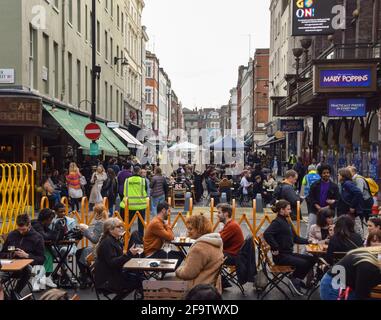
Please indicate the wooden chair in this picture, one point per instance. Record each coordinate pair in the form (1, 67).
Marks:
(164, 290)
(75, 297)
(274, 274)
(179, 198)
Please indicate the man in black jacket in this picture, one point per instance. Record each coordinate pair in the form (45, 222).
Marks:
(281, 237)
(29, 244)
(323, 194)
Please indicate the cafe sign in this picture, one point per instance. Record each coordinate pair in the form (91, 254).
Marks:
(16, 111)
(345, 78)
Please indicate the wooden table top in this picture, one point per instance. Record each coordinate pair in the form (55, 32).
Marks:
(144, 265)
(317, 248)
(16, 265)
(187, 243)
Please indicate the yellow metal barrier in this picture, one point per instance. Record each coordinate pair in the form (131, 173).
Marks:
(44, 203)
(17, 193)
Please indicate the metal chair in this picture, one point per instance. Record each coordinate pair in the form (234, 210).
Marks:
(274, 274)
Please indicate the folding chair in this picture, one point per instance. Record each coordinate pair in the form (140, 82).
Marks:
(274, 274)
(164, 290)
(229, 272)
(179, 198)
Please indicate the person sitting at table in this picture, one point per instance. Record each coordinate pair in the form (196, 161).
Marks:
(110, 259)
(231, 235)
(344, 238)
(322, 231)
(270, 183)
(93, 234)
(374, 224)
(205, 257)
(374, 239)
(281, 237)
(157, 233)
(212, 187)
(361, 272)
(42, 226)
(29, 244)
(225, 186)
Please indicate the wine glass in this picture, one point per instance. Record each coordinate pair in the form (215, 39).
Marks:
(167, 247)
(140, 250)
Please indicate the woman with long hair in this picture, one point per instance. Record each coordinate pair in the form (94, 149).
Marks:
(322, 231)
(358, 272)
(73, 182)
(281, 237)
(97, 179)
(110, 259)
(344, 239)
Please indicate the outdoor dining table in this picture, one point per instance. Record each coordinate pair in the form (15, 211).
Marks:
(9, 267)
(144, 265)
(183, 244)
(317, 249)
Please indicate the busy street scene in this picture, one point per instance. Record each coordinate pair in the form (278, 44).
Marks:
(190, 150)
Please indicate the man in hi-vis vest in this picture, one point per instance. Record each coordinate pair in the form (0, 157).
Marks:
(135, 189)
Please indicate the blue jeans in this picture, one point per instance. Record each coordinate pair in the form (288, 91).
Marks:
(154, 202)
(327, 292)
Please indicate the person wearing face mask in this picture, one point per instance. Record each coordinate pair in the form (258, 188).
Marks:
(110, 259)
(29, 244)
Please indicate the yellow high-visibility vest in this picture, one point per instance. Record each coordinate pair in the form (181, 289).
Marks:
(135, 191)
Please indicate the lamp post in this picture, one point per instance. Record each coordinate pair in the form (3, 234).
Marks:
(94, 58)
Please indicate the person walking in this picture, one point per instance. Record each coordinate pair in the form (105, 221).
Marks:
(97, 179)
(159, 189)
(301, 170)
(122, 177)
(110, 190)
(275, 167)
(74, 186)
(135, 190)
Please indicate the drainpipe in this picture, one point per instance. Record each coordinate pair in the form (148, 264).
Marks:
(63, 92)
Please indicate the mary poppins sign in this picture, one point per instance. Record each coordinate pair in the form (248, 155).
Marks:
(345, 78)
(317, 17)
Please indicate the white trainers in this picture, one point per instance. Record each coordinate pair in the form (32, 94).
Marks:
(49, 282)
(35, 285)
(42, 283)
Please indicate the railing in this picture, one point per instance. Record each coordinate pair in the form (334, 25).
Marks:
(16, 194)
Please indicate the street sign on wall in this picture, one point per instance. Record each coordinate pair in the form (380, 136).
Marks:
(347, 107)
(93, 131)
(7, 75)
(313, 17)
(291, 125)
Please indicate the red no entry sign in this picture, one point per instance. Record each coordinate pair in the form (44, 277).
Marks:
(93, 131)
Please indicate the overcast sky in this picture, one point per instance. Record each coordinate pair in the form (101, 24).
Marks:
(201, 44)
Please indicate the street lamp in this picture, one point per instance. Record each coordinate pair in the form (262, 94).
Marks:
(297, 52)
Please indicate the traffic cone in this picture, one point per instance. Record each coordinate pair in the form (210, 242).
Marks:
(375, 210)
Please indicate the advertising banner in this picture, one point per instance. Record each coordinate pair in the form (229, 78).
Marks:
(312, 17)
(355, 78)
(347, 107)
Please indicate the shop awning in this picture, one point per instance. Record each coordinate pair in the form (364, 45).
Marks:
(113, 139)
(269, 141)
(74, 124)
(132, 142)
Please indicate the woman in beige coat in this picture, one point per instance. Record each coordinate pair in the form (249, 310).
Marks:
(205, 257)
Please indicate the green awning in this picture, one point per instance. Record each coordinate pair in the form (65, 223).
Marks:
(113, 139)
(74, 124)
(65, 120)
(104, 144)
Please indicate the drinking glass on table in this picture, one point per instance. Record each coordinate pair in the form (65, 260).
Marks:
(140, 250)
(11, 250)
(167, 247)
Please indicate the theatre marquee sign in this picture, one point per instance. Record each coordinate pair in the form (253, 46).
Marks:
(345, 78)
(16, 111)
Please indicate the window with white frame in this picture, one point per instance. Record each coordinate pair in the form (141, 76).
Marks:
(149, 69)
(149, 95)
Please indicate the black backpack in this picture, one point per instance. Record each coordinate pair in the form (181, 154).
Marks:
(277, 195)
